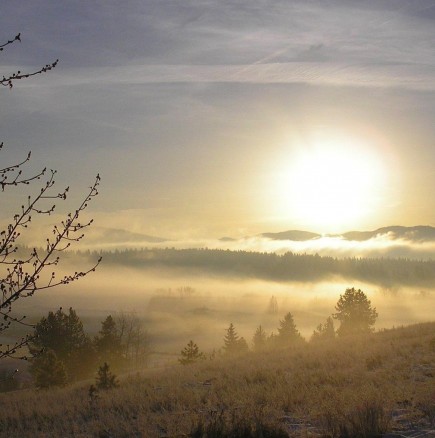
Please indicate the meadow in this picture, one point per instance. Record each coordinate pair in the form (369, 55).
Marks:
(380, 385)
(358, 387)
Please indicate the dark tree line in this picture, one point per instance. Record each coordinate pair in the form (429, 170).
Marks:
(64, 352)
(386, 272)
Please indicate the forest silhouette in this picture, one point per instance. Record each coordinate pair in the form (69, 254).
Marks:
(385, 272)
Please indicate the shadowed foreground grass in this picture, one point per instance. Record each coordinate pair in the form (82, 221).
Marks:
(345, 388)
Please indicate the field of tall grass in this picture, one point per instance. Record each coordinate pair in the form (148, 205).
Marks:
(355, 387)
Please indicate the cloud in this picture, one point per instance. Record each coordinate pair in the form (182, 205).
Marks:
(382, 245)
(348, 43)
(386, 75)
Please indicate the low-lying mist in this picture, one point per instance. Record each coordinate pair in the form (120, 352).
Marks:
(380, 246)
(409, 242)
(176, 306)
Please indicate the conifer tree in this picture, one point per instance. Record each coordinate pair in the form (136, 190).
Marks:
(105, 378)
(324, 331)
(190, 354)
(63, 333)
(231, 340)
(233, 343)
(108, 342)
(355, 313)
(48, 370)
(288, 334)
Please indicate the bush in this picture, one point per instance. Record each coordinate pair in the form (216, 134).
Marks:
(219, 426)
(369, 420)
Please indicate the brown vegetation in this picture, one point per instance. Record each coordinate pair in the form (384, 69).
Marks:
(350, 387)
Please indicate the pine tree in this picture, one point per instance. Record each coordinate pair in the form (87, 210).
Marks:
(63, 333)
(231, 340)
(48, 370)
(288, 334)
(190, 354)
(108, 342)
(355, 313)
(105, 378)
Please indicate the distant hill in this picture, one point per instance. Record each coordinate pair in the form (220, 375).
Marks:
(295, 235)
(227, 239)
(119, 236)
(420, 233)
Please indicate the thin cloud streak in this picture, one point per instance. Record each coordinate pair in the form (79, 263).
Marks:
(407, 76)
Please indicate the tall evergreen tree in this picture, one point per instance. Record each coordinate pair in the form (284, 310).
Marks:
(108, 342)
(48, 370)
(63, 333)
(355, 313)
(231, 340)
(288, 334)
(233, 343)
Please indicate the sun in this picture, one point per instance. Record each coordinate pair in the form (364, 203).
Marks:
(332, 184)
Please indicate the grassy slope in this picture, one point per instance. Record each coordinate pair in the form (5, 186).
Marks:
(318, 389)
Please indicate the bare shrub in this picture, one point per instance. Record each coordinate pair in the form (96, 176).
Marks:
(368, 420)
(224, 425)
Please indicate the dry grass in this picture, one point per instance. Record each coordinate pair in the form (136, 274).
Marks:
(344, 388)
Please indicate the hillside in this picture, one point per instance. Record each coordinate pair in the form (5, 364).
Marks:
(358, 387)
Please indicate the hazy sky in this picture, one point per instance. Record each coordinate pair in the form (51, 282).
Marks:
(211, 118)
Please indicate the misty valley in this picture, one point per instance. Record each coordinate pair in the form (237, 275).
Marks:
(184, 293)
(191, 340)
(216, 219)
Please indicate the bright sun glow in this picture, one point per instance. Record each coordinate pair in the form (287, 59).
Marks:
(333, 184)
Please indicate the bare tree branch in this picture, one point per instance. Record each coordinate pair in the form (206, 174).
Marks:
(22, 276)
(8, 81)
(17, 38)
